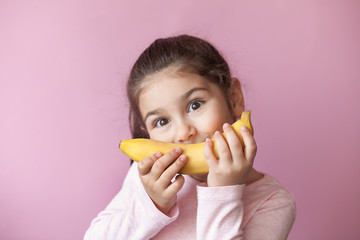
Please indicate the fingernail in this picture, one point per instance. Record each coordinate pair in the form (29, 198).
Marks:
(243, 129)
(182, 157)
(208, 141)
(158, 154)
(217, 133)
(226, 125)
(178, 150)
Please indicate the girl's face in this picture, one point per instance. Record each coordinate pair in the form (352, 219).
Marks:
(185, 107)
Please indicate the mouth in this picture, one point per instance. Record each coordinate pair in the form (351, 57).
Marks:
(208, 137)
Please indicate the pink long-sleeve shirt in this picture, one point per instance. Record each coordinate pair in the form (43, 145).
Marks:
(261, 210)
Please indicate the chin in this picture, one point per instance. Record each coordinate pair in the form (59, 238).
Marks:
(202, 177)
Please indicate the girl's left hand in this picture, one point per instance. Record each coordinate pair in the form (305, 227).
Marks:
(234, 163)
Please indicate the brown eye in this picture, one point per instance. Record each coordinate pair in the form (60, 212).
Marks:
(161, 122)
(195, 105)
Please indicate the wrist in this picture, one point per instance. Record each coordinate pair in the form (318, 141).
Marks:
(220, 181)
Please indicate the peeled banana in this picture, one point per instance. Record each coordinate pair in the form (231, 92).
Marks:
(139, 148)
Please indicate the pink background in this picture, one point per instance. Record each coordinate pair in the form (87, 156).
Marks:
(63, 111)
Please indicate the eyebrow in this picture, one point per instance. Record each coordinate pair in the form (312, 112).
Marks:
(183, 97)
(191, 91)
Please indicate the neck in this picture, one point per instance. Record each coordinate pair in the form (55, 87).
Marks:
(253, 176)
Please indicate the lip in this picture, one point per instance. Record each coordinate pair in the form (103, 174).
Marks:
(203, 140)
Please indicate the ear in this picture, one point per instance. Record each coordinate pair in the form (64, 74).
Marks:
(236, 98)
(143, 128)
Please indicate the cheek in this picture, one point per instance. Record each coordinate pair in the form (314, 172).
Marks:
(215, 125)
(211, 124)
(161, 136)
(215, 120)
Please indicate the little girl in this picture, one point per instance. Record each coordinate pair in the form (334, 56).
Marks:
(180, 90)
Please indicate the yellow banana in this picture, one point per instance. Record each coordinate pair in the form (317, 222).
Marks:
(139, 148)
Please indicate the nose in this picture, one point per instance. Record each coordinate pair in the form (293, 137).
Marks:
(185, 132)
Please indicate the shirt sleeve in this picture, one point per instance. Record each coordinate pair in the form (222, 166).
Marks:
(273, 220)
(220, 212)
(127, 216)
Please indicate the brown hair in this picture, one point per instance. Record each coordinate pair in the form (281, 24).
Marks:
(190, 54)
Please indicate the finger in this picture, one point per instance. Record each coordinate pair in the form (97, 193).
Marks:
(209, 153)
(176, 185)
(172, 170)
(234, 143)
(146, 164)
(164, 162)
(222, 148)
(250, 144)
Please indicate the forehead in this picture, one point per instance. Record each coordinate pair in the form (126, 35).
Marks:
(169, 84)
(165, 88)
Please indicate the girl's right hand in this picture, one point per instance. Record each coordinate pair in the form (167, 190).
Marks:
(156, 173)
